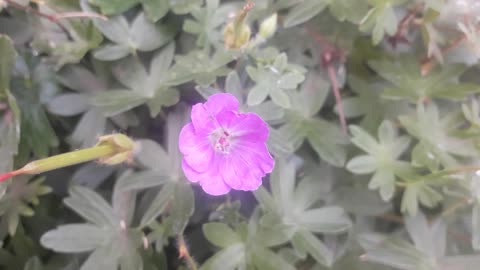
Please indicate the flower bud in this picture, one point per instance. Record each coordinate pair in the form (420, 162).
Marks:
(236, 36)
(268, 26)
(123, 145)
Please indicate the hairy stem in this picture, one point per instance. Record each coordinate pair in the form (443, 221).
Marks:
(184, 253)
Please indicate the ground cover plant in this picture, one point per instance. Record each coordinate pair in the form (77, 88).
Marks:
(217, 135)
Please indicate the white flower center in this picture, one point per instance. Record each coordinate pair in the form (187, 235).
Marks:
(221, 140)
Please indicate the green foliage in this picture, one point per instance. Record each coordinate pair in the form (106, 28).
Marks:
(381, 159)
(404, 73)
(17, 202)
(289, 210)
(400, 189)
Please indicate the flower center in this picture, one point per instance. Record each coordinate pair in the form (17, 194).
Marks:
(221, 140)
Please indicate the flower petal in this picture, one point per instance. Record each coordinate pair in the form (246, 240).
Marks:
(202, 121)
(244, 126)
(257, 153)
(210, 182)
(215, 186)
(246, 165)
(203, 114)
(238, 175)
(196, 149)
(221, 102)
(191, 175)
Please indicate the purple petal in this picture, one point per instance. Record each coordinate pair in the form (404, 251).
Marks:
(238, 174)
(245, 126)
(202, 120)
(246, 165)
(210, 182)
(196, 149)
(221, 102)
(191, 175)
(215, 186)
(203, 114)
(257, 153)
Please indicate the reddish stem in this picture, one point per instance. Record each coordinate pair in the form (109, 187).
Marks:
(6, 176)
(338, 98)
(403, 27)
(55, 17)
(331, 54)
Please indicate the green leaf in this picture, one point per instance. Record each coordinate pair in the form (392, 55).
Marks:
(383, 156)
(280, 98)
(257, 95)
(419, 192)
(184, 6)
(142, 180)
(361, 201)
(90, 125)
(227, 259)
(110, 7)
(68, 104)
(391, 251)
(10, 137)
(155, 9)
(141, 35)
(329, 219)
(220, 234)
(183, 205)
(198, 66)
(348, 10)
(146, 36)
(158, 204)
(363, 164)
(111, 52)
(104, 258)
(91, 206)
(20, 195)
(304, 11)
(316, 248)
(117, 101)
(33, 263)
(153, 156)
(428, 237)
(476, 227)
(8, 53)
(434, 134)
(381, 19)
(265, 259)
(404, 73)
(73, 238)
(321, 135)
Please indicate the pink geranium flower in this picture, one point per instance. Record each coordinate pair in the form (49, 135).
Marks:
(223, 148)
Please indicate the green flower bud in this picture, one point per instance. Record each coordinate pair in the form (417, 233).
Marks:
(268, 26)
(236, 36)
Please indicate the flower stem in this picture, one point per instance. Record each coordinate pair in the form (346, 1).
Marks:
(68, 159)
(111, 150)
(62, 160)
(440, 174)
(183, 253)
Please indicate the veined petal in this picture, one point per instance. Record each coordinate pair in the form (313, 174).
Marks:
(239, 175)
(191, 175)
(221, 102)
(256, 153)
(215, 186)
(202, 120)
(196, 149)
(204, 114)
(246, 165)
(244, 126)
(210, 181)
